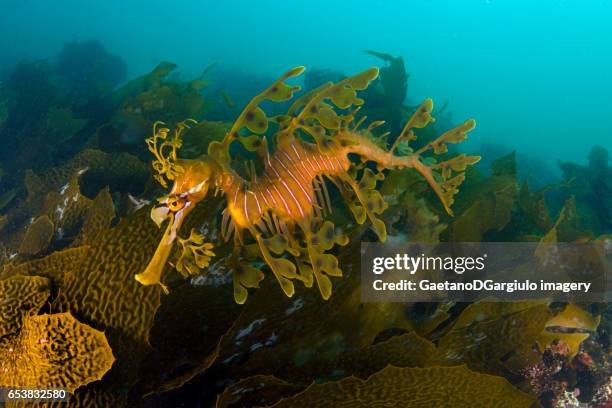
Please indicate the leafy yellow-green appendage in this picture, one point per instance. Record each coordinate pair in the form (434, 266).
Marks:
(164, 149)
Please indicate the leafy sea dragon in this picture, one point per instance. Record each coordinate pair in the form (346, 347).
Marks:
(283, 209)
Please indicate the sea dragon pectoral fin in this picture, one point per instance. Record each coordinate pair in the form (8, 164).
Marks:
(195, 254)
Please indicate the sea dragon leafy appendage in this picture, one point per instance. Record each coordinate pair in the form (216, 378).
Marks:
(282, 209)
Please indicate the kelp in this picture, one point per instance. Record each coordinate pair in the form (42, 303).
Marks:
(155, 97)
(297, 342)
(259, 390)
(62, 124)
(54, 351)
(592, 189)
(485, 208)
(23, 296)
(94, 283)
(393, 386)
(37, 236)
(488, 342)
(97, 218)
(409, 214)
(386, 100)
(56, 204)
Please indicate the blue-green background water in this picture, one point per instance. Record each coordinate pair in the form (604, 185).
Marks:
(536, 75)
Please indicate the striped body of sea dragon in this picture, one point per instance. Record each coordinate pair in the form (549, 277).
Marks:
(284, 209)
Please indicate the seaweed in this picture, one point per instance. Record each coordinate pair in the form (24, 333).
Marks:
(455, 386)
(88, 70)
(385, 100)
(23, 296)
(485, 207)
(55, 350)
(591, 187)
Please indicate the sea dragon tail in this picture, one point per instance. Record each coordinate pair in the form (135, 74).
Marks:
(444, 177)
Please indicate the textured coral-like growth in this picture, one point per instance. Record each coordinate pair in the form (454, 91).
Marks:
(53, 266)
(100, 289)
(54, 351)
(95, 282)
(414, 387)
(21, 296)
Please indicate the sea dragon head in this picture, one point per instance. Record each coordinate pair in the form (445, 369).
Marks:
(191, 182)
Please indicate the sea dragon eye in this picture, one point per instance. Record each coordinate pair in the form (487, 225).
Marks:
(176, 204)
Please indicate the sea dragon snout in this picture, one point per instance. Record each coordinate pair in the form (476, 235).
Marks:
(152, 274)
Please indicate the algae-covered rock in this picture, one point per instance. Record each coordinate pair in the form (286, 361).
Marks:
(54, 351)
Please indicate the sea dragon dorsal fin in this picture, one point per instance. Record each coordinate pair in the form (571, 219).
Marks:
(254, 119)
(318, 118)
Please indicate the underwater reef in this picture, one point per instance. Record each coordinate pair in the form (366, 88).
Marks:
(76, 227)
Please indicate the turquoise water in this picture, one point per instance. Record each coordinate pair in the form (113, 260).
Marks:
(535, 75)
